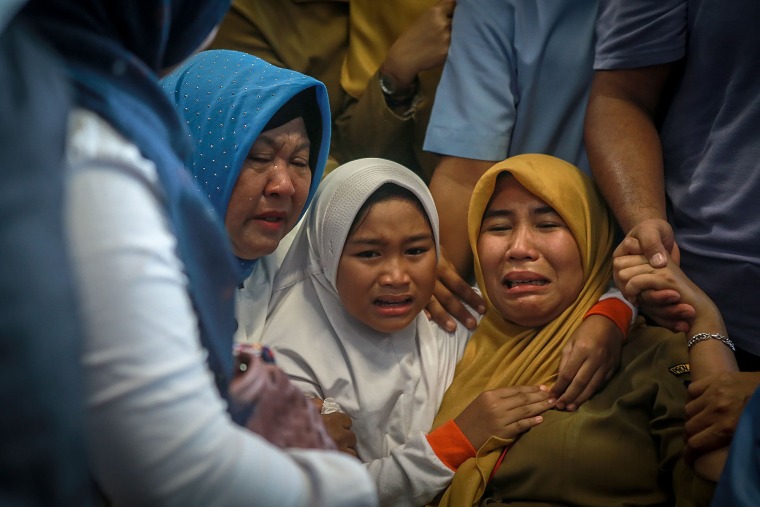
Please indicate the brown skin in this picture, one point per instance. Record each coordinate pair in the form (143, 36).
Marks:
(282, 414)
(505, 413)
(626, 159)
(451, 185)
(711, 418)
(338, 426)
(593, 353)
(625, 155)
(422, 46)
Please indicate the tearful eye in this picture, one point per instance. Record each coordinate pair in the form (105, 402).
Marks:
(417, 251)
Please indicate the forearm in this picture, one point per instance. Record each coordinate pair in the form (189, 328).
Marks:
(368, 127)
(451, 185)
(707, 358)
(623, 144)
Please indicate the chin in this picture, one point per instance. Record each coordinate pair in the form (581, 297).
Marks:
(392, 327)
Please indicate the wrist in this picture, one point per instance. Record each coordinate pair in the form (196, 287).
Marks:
(398, 88)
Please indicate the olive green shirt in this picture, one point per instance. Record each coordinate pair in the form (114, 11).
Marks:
(311, 37)
(622, 447)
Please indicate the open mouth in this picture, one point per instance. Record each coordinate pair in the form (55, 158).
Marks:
(516, 283)
(393, 302)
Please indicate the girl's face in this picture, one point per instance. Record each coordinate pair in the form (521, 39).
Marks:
(387, 270)
(530, 260)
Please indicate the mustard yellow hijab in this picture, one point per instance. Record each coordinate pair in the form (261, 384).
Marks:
(373, 27)
(501, 353)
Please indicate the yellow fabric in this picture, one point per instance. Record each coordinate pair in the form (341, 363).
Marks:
(501, 353)
(373, 27)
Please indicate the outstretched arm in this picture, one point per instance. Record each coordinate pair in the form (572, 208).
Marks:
(710, 419)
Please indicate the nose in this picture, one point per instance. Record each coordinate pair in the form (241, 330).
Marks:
(280, 181)
(395, 273)
(521, 244)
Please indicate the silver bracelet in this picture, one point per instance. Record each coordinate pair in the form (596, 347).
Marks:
(707, 336)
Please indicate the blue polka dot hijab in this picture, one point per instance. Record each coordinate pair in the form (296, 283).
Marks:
(226, 99)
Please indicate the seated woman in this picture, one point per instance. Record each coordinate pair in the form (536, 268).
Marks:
(261, 136)
(357, 276)
(542, 240)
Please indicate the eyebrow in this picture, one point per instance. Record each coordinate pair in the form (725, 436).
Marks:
(541, 210)
(377, 241)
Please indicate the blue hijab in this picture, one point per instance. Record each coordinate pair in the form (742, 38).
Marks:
(113, 51)
(226, 99)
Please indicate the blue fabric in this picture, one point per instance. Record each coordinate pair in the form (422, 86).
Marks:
(226, 98)
(516, 81)
(739, 484)
(709, 135)
(42, 461)
(113, 52)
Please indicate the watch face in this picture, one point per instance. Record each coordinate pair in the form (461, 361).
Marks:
(387, 85)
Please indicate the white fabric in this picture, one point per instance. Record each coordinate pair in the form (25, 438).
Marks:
(390, 385)
(157, 430)
(253, 297)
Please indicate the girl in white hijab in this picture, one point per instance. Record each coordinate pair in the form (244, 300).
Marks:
(346, 322)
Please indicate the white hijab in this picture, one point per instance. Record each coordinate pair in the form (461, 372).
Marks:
(390, 384)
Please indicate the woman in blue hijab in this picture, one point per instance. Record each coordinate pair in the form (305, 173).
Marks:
(156, 279)
(261, 136)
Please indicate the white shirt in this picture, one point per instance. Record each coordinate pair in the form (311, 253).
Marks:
(158, 432)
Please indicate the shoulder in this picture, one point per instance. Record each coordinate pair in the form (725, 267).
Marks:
(657, 350)
(94, 143)
(640, 33)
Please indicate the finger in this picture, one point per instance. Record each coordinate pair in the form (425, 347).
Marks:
(566, 377)
(565, 373)
(509, 392)
(461, 289)
(596, 382)
(660, 297)
(520, 426)
(647, 281)
(453, 305)
(630, 271)
(697, 389)
(579, 382)
(437, 314)
(629, 246)
(653, 241)
(709, 440)
(526, 404)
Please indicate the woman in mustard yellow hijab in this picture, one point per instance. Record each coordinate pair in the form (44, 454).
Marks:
(542, 238)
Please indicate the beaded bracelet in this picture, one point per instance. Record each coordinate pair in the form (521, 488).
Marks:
(706, 336)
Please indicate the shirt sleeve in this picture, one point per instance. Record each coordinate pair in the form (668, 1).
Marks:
(411, 475)
(158, 432)
(640, 33)
(475, 104)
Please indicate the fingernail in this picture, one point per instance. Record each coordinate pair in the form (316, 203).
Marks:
(543, 387)
(481, 309)
(571, 407)
(471, 323)
(539, 418)
(451, 326)
(551, 401)
(658, 259)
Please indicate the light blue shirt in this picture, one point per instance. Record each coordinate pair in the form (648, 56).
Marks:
(516, 80)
